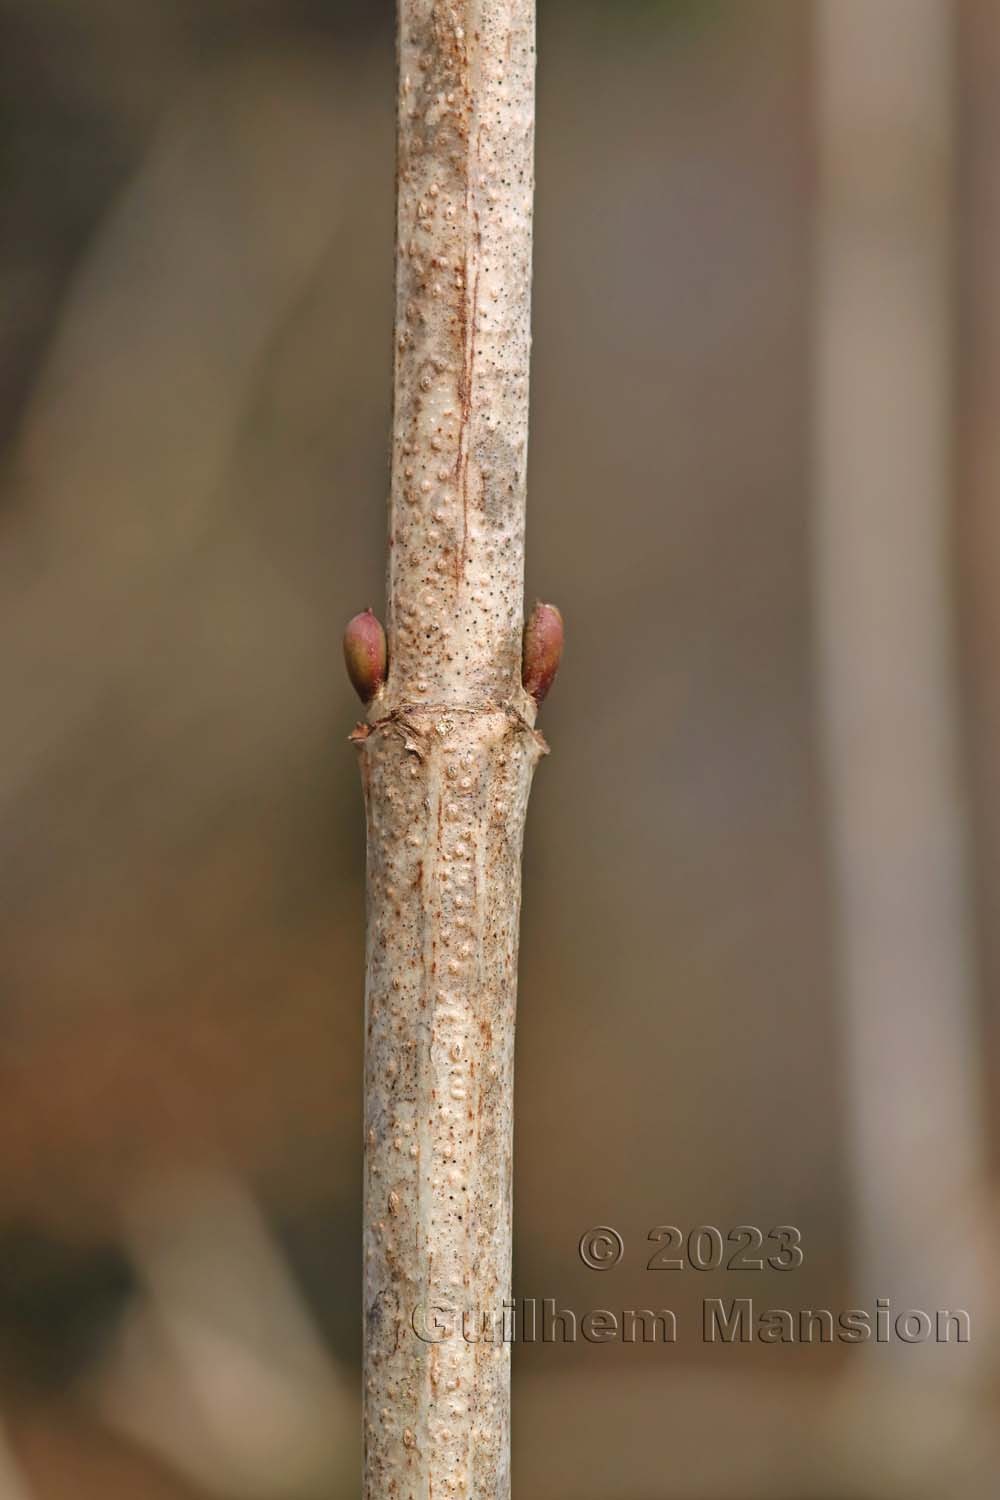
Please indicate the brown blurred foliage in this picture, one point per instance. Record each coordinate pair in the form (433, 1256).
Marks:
(194, 377)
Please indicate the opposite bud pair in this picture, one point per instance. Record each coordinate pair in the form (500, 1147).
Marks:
(366, 654)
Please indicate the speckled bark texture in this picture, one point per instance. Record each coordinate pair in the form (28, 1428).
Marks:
(447, 758)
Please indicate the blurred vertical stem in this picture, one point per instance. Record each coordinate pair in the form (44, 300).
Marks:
(447, 756)
(885, 627)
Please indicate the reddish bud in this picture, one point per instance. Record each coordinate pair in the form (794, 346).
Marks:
(365, 654)
(543, 648)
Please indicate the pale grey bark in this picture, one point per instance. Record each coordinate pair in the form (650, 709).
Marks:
(447, 757)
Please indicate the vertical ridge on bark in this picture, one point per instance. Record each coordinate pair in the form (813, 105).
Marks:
(463, 313)
(447, 760)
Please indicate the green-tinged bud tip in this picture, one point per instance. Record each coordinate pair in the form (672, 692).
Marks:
(365, 654)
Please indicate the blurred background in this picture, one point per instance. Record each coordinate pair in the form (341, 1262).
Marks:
(759, 959)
